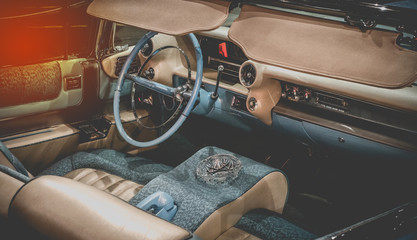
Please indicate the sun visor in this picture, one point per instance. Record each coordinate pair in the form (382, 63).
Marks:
(177, 17)
(323, 47)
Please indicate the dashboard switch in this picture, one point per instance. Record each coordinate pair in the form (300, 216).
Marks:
(296, 93)
(239, 103)
(73, 82)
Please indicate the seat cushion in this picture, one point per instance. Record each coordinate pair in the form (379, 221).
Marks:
(198, 201)
(115, 185)
(78, 211)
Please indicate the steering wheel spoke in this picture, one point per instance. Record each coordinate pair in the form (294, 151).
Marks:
(154, 86)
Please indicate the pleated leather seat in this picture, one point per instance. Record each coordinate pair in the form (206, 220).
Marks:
(115, 185)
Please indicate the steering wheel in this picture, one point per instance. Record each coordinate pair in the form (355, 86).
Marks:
(159, 88)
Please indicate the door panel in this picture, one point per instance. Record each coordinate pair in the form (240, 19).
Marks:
(39, 149)
(41, 87)
(71, 106)
(31, 83)
(52, 86)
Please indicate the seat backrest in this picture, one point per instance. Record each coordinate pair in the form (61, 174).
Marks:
(9, 187)
(10, 179)
(60, 208)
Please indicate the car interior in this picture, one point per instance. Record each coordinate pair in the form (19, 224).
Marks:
(208, 119)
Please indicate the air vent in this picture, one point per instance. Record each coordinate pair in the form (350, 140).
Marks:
(230, 72)
(147, 49)
(134, 67)
(247, 75)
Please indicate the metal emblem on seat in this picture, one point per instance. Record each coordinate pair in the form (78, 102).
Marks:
(218, 169)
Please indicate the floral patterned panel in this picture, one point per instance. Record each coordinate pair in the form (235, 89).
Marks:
(31, 83)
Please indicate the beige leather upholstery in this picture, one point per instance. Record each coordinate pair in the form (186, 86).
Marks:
(38, 152)
(79, 211)
(369, 57)
(4, 161)
(182, 17)
(112, 184)
(8, 187)
(236, 234)
(269, 193)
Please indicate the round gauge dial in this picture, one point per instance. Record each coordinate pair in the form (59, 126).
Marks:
(247, 75)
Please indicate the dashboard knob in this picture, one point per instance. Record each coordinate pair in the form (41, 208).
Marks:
(252, 104)
(307, 95)
(150, 73)
(147, 49)
(296, 98)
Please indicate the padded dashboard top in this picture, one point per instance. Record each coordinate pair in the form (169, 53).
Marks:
(164, 16)
(323, 47)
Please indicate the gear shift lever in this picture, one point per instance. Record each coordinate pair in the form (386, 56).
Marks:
(215, 94)
(207, 99)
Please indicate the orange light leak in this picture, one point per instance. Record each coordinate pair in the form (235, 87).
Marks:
(30, 34)
(22, 46)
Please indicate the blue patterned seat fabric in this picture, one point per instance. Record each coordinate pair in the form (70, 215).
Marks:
(196, 199)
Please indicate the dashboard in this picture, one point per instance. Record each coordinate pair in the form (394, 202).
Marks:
(307, 102)
(314, 109)
(380, 115)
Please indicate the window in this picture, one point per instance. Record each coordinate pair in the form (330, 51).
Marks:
(44, 30)
(127, 35)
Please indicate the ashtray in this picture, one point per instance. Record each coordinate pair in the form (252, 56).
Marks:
(218, 169)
